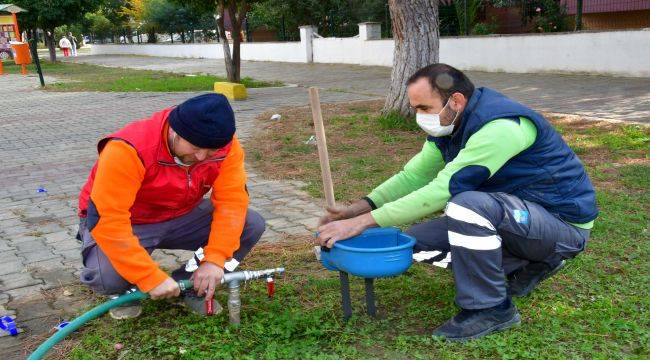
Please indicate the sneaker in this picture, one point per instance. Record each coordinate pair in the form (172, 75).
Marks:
(473, 324)
(523, 282)
(197, 304)
(127, 311)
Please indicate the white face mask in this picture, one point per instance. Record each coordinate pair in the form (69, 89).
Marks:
(430, 123)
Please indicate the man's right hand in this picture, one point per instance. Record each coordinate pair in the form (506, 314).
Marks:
(344, 212)
(167, 289)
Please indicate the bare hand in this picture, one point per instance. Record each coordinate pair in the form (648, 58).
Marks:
(167, 289)
(343, 229)
(206, 278)
(336, 213)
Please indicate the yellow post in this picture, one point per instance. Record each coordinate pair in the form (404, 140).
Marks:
(232, 91)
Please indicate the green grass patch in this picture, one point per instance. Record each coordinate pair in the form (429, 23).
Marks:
(394, 121)
(85, 77)
(594, 308)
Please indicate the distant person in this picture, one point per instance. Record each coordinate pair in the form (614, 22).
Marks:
(65, 46)
(73, 42)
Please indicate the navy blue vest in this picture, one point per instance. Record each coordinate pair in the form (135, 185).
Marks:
(548, 173)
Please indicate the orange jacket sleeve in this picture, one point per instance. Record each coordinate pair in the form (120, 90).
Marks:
(119, 175)
(230, 201)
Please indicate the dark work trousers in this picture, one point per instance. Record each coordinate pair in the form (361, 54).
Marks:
(187, 232)
(486, 236)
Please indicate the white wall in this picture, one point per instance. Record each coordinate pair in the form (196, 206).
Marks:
(624, 53)
(353, 51)
(273, 51)
(205, 51)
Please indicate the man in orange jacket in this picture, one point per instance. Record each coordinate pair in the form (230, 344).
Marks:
(146, 191)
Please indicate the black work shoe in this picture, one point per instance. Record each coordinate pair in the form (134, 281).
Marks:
(523, 282)
(473, 324)
(181, 274)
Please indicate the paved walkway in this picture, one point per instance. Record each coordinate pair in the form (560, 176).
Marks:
(48, 139)
(615, 98)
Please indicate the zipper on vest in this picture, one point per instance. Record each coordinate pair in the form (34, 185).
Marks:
(189, 179)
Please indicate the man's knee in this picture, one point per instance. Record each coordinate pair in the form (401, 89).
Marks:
(104, 281)
(255, 226)
(475, 207)
(430, 235)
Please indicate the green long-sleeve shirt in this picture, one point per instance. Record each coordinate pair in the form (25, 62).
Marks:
(422, 187)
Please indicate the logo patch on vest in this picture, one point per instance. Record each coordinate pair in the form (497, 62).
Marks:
(521, 216)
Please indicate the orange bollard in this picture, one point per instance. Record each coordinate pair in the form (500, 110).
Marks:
(1, 73)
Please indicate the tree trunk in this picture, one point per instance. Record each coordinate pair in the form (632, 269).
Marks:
(230, 73)
(237, 18)
(415, 32)
(51, 46)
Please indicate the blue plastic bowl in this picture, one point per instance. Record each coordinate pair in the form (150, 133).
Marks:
(376, 253)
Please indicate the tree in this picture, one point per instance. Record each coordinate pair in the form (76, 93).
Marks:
(331, 17)
(546, 15)
(99, 25)
(135, 11)
(49, 14)
(112, 10)
(173, 17)
(471, 7)
(416, 37)
(236, 10)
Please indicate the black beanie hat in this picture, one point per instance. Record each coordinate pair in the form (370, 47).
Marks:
(206, 121)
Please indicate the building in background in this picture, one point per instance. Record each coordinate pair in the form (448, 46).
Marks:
(612, 14)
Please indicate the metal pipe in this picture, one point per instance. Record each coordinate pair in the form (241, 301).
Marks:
(233, 280)
(247, 275)
(234, 303)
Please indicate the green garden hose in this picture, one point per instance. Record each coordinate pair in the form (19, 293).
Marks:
(94, 313)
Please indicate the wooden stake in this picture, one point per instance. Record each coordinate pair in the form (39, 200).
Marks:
(317, 115)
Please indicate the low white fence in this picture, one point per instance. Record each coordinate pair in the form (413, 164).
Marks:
(620, 53)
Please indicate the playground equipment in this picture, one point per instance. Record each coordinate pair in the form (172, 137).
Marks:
(9, 31)
(234, 305)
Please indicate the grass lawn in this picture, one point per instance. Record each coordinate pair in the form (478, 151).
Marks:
(85, 77)
(597, 307)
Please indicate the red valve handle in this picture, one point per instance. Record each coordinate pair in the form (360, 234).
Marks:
(208, 308)
(270, 286)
